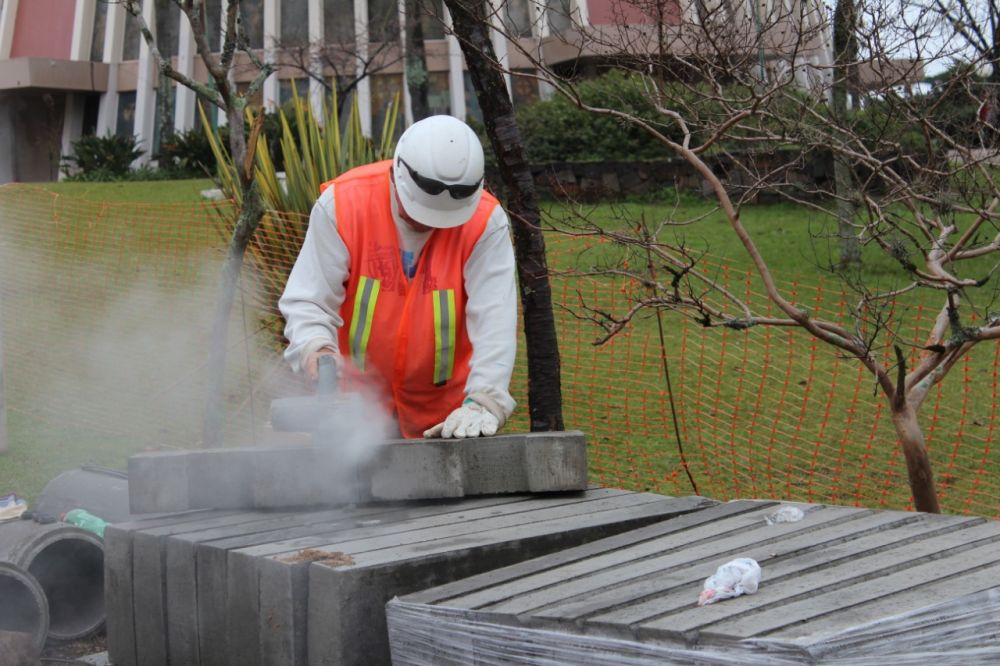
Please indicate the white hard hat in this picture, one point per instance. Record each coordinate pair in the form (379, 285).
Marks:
(438, 171)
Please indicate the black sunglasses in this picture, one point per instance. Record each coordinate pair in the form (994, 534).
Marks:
(433, 186)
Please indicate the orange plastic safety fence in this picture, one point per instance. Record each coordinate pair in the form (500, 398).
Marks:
(105, 312)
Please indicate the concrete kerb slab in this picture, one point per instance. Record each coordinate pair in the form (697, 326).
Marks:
(282, 477)
(228, 587)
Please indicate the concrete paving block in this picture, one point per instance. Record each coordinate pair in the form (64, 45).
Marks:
(494, 465)
(555, 461)
(158, 482)
(301, 476)
(427, 469)
(220, 478)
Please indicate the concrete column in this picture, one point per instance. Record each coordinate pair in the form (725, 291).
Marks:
(83, 30)
(317, 32)
(184, 98)
(364, 89)
(272, 32)
(145, 94)
(221, 119)
(72, 127)
(8, 14)
(456, 80)
(499, 41)
(114, 36)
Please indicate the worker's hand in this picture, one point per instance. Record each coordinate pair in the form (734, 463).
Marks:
(469, 420)
(311, 366)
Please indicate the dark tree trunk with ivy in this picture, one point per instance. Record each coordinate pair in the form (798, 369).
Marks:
(471, 25)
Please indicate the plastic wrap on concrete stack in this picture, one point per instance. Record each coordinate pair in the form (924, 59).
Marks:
(842, 586)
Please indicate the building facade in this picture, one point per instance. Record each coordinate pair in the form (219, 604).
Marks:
(69, 67)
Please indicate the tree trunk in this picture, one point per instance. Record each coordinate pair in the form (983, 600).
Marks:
(544, 390)
(918, 463)
(845, 46)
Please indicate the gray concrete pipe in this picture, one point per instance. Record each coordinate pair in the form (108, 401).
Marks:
(24, 615)
(68, 564)
(99, 490)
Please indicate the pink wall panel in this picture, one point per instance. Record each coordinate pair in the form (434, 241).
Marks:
(43, 29)
(608, 12)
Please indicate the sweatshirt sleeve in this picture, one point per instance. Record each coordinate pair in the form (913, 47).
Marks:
(315, 289)
(491, 312)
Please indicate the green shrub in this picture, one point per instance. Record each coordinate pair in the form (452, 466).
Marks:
(557, 130)
(101, 157)
(187, 154)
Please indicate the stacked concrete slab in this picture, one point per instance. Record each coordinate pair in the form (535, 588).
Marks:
(308, 587)
(281, 477)
(840, 584)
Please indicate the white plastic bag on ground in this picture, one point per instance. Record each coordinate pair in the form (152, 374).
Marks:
(786, 514)
(740, 576)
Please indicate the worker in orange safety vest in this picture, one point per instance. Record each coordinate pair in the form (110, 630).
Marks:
(406, 276)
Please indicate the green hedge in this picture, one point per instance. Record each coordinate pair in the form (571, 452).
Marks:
(557, 130)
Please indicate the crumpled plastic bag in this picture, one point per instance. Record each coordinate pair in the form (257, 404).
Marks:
(12, 506)
(785, 514)
(732, 579)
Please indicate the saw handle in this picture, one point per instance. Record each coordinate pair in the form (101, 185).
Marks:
(327, 371)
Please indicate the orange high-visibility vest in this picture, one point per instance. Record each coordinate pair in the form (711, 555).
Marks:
(407, 336)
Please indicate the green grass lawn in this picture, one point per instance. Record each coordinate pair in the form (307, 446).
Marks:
(763, 412)
(145, 192)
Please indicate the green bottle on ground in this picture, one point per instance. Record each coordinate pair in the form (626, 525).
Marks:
(86, 520)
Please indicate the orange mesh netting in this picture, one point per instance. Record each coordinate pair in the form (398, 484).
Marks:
(105, 311)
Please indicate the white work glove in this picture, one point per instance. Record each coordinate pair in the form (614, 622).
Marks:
(478, 415)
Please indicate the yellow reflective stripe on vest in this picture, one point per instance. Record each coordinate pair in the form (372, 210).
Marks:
(361, 320)
(444, 334)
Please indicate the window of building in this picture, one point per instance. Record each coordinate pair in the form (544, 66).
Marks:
(558, 13)
(383, 21)
(338, 21)
(213, 24)
(384, 88)
(168, 16)
(125, 123)
(252, 22)
(285, 89)
(100, 25)
(294, 22)
(438, 97)
(517, 18)
(130, 49)
(432, 19)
